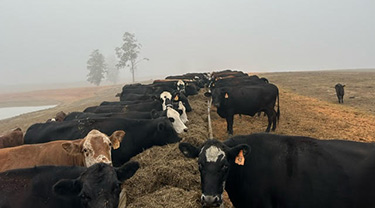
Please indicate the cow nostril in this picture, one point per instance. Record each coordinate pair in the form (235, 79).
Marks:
(216, 199)
(185, 130)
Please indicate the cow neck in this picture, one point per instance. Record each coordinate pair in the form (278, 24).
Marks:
(78, 160)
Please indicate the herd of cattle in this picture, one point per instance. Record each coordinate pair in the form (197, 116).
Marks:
(81, 159)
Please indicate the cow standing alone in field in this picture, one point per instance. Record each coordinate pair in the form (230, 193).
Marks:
(340, 92)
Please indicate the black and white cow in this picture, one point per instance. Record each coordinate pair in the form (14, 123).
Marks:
(340, 92)
(166, 97)
(286, 171)
(98, 186)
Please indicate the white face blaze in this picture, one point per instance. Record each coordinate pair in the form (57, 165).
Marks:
(180, 85)
(180, 82)
(96, 148)
(213, 153)
(183, 116)
(178, 125)
(165, 95)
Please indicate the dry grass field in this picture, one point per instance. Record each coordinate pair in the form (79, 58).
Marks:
(308, 107)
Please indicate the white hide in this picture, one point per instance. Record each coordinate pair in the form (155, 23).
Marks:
(183, 116)
(178, 125)
(90, 159)
(213, 153)
(164, 96)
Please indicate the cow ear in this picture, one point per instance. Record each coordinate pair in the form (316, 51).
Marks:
(234, 151)
(127, 170)
(67, 187)
(207, 94)
(116, 138)
(72, 148)
(188, 150)
(171, 119)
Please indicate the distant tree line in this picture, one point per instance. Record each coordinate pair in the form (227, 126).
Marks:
(127, 54)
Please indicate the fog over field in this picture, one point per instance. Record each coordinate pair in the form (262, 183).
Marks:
(49, 41)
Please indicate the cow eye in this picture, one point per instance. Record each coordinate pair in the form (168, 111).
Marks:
(85, 150)
(110, 144)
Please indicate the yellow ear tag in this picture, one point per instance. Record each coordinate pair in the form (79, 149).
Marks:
(240, 159)
(176, 98)
(226, 95)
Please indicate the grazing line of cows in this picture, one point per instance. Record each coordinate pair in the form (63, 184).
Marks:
(145, 116)
(78, 165)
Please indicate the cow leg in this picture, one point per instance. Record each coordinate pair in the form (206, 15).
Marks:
(270, 116)
(274, 119)
(230, 124)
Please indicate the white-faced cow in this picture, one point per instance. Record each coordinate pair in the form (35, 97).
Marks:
(94, 148)
(286, 171)
(98, 186)
(165, 97)
(340, 92)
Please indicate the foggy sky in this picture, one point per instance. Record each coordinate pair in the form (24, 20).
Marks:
(47, 41)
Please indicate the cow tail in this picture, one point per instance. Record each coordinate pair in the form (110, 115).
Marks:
(278, 107)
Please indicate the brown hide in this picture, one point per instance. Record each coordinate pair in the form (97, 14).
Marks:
(11, 138)
(80, 152)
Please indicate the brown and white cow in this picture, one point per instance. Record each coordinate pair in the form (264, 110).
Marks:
(94, 148)
(11, 138)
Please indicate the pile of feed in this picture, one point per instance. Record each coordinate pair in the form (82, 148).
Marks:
(166, 178)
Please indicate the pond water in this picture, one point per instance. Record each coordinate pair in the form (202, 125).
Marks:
(9, 112)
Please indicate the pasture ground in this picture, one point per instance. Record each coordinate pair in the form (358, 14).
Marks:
(308, 106)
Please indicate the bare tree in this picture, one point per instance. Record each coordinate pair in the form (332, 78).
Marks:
(96, 65)
(128, 53)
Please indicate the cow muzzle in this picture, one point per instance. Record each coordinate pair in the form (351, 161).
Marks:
(211, 201)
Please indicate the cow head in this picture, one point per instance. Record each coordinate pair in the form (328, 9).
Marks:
(181, 86)
(219, 96)
(214, 161)
(177, 96)
(182, 111)
(99, 186)
(166, 98)
(174, 118)
(164, 132)
(95, 147)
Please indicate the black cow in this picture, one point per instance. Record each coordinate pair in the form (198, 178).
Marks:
(247, 100)
(64, 187)
(105, 109)
(86, 115)
(140, 134)
(146, 106)
(136, 96)
(177, 96)
(340, 92)
(286, 171)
